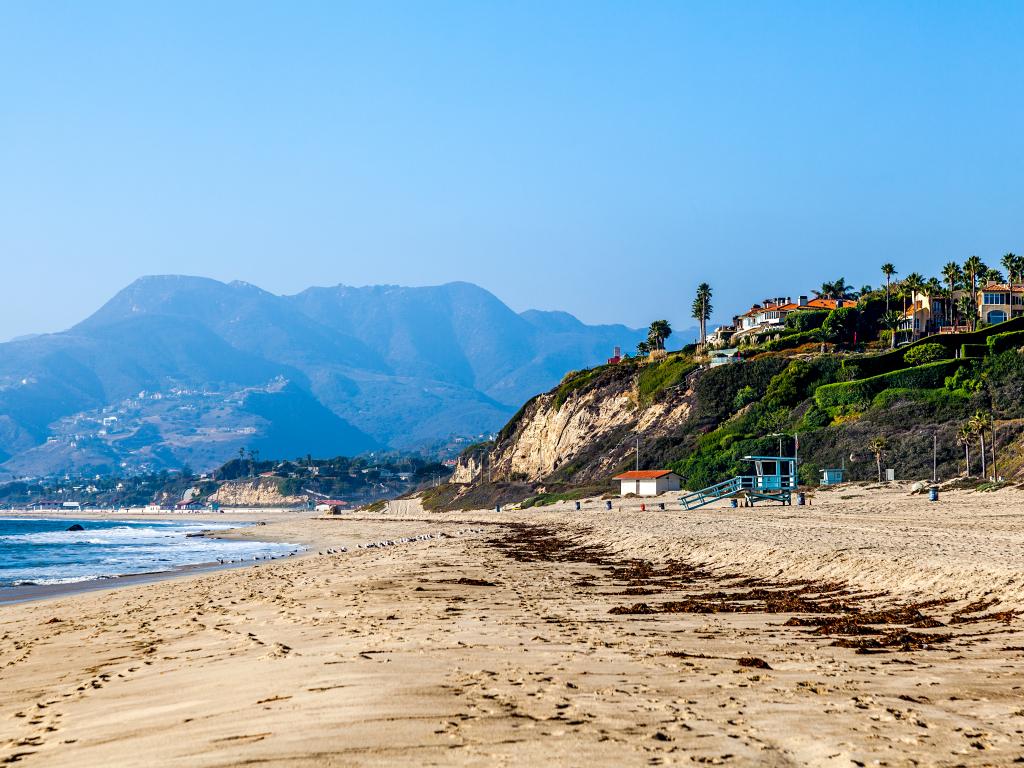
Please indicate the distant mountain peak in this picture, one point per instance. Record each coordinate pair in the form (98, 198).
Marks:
(383, 365)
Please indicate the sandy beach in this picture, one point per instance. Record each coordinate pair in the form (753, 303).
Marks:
(870, 628)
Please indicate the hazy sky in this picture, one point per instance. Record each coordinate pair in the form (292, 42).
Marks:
(597, 158)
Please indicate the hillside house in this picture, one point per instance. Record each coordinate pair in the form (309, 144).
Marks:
(995, 302)
(647, 482)
(770, 315)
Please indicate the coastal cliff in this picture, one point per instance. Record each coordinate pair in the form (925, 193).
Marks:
(586, 427)
(261, 492)
(702, 422)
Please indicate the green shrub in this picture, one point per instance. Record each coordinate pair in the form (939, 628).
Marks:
(806, 319)
(657, 377)
(973, 350)
(926, 353)
(1001, 342)
(793, 340)
(744, 396)
(840, 325)
(862, 391)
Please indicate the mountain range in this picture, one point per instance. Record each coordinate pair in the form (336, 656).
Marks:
(186, 370)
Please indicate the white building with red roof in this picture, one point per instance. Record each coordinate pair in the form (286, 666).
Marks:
(648, 482)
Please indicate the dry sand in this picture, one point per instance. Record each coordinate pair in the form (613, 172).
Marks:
(573, 638)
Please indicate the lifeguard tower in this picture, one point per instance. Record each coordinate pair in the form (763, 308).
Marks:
(774, 479)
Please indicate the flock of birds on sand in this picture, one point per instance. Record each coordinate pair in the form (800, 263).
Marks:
(371, 545)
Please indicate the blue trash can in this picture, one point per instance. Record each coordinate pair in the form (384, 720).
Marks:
(733, 503)
(577, 506)
(801, 499)
(497, 507)
(933, 494)
(608, 505)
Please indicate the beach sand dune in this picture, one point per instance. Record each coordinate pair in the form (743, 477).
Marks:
(870, 628)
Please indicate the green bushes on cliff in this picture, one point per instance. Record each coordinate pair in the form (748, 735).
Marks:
(805, 320)
(860, 393)
(925, 353)
(656, 377)
(1001, 342)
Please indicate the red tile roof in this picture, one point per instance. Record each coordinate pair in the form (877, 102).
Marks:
(643, 474)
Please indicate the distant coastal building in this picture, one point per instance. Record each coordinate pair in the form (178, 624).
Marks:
(331, 506)
(648, 482)
(717, 357)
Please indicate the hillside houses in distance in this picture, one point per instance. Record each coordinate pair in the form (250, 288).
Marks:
(769, 315)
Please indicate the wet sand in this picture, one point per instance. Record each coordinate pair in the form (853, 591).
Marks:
(875, 629)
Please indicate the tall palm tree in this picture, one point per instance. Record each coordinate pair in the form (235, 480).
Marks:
(838, 289)
(643, 349)
(974, 267)
(979, 422)
(964, 436)
(1014, 266)
(968, 308)
(877, 446)
(701, 309)
(1011, 264)
(888, 270)
(953, 276)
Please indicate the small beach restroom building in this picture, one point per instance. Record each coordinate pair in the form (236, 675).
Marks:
(648, 482)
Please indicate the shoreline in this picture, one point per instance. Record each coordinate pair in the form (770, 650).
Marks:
(23, 593)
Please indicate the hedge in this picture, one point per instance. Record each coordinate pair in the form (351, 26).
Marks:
(1001, 342)
(975, 350)
(793, 340)
(862, 391)
(875, 365)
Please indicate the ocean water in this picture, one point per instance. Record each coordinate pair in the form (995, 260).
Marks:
(36, 551)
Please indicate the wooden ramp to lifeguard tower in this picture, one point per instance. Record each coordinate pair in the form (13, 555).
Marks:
(774, 479)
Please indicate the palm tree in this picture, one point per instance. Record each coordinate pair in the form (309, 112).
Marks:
(834, 290)
(658, 332)
(967, 308)
(973, 269)
(1011, 264)
(701, 309)
(877, 447)
(888, 270)
(993, 276)
(964, 436)
(1014, 266)
(979, 422)
(643, 349)
(953, 276)
(891, 321)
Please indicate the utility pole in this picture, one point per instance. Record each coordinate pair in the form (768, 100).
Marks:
(935, 457)
(638, 454)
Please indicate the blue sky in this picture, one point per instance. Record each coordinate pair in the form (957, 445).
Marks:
(601, 158)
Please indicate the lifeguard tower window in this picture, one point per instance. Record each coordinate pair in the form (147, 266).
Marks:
(768, 468)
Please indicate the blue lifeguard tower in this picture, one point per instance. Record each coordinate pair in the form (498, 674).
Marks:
(774, 479)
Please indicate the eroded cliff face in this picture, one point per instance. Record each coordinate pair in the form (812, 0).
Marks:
(583, 436)
(261, 492)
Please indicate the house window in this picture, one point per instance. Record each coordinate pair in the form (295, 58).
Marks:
(996, 316)
(995, 298)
